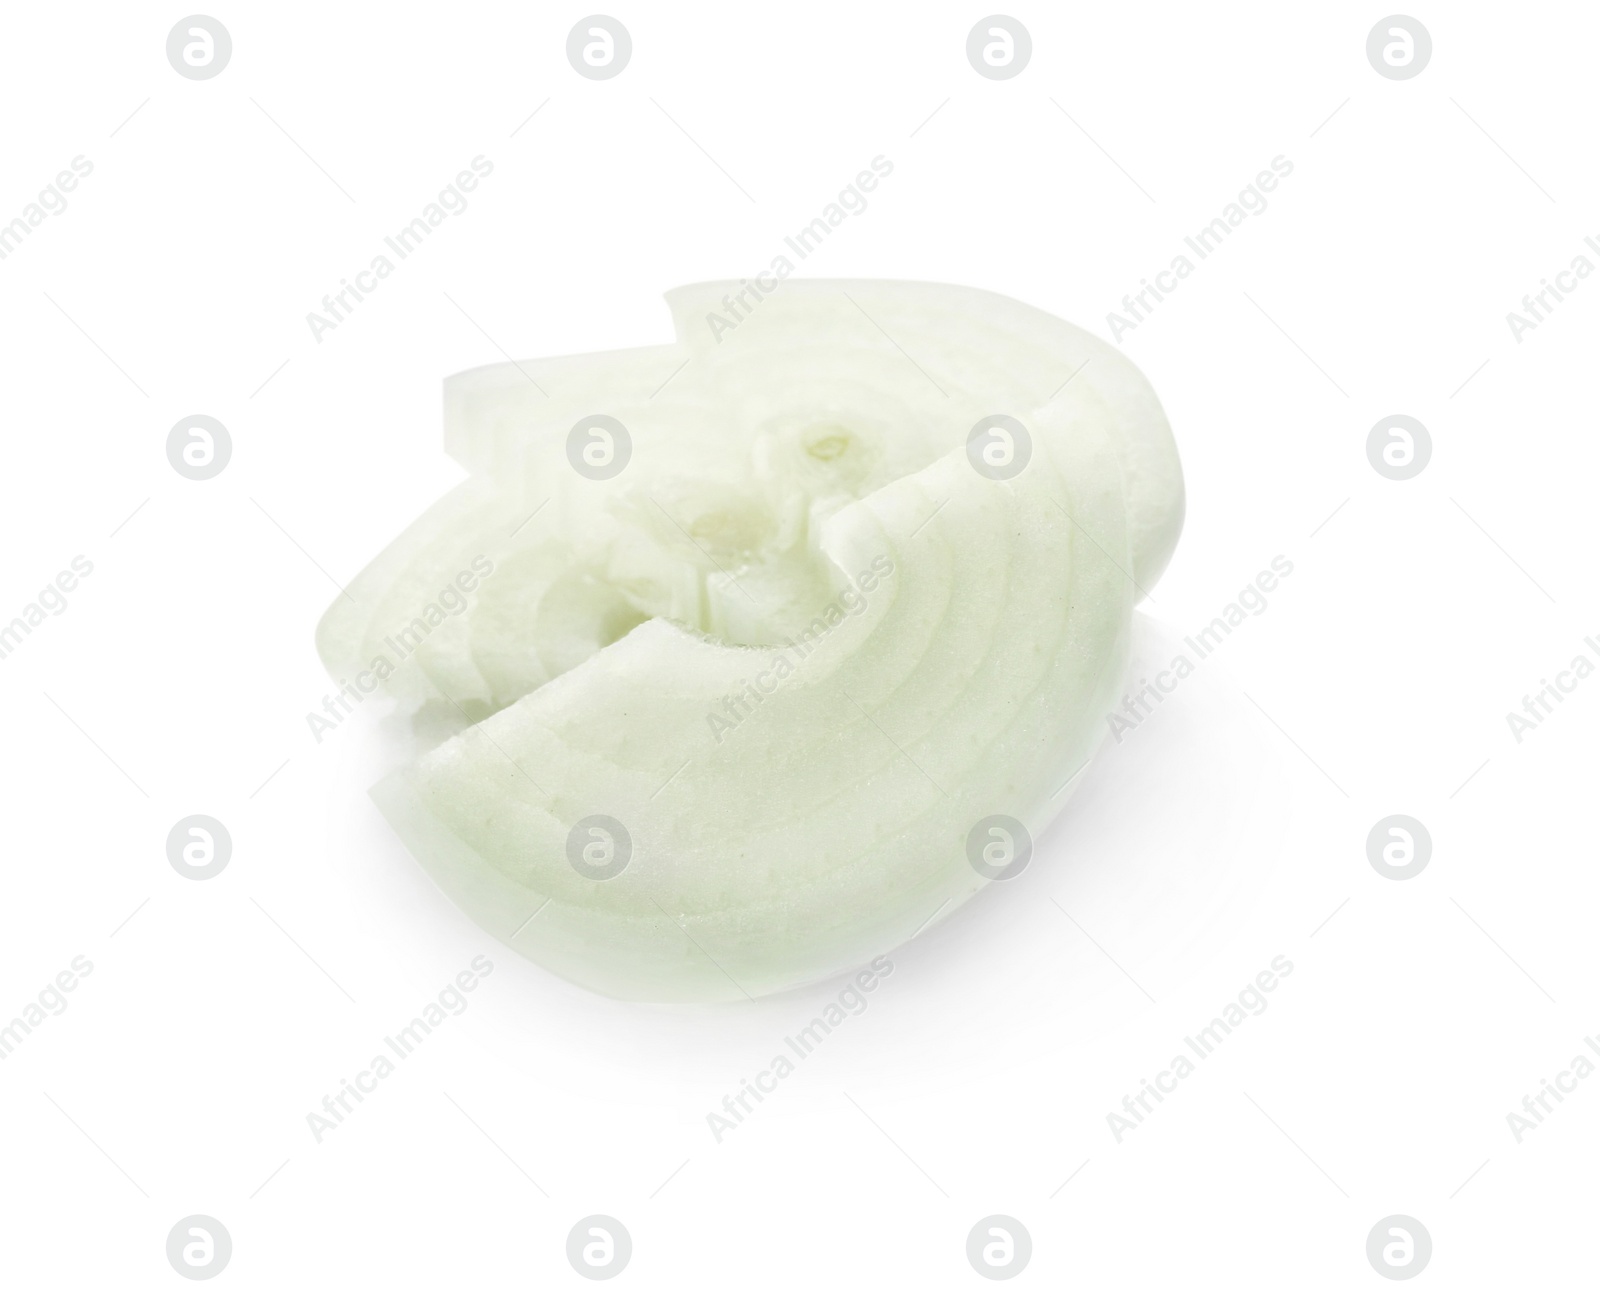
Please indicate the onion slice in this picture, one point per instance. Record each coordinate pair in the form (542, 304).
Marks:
(731, 714)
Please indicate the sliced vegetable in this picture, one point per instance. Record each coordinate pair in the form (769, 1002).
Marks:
(774, 622)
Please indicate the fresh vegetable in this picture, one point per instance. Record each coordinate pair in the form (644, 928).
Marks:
(770, 633)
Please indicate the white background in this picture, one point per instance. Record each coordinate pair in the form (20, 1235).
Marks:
(1223, 832)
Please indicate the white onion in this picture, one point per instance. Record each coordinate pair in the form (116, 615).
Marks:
(826, 437)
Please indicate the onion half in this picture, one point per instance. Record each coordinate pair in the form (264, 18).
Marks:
(861, 584)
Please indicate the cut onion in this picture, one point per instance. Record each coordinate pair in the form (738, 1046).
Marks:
(729, 715)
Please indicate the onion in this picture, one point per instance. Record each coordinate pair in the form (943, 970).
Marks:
(778, 661)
